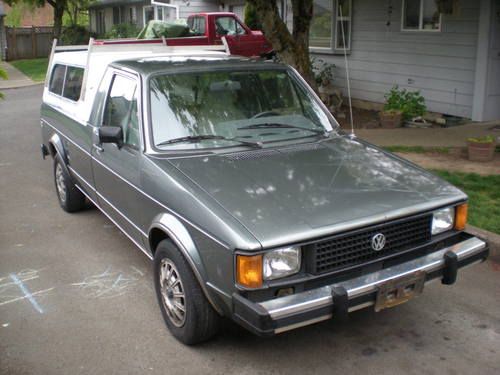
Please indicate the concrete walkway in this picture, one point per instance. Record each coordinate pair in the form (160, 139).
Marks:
(15, 78)
(431, 137)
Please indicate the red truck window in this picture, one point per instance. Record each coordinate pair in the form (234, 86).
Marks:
(197, 25)
(228, 26)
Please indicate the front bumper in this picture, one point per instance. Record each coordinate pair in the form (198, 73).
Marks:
(337, 300)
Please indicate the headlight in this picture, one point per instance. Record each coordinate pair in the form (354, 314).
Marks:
(442, 220)
(281, 262)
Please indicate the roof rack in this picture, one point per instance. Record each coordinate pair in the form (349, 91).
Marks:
(114, 46)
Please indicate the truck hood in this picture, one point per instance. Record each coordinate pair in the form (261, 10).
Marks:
(290, 194)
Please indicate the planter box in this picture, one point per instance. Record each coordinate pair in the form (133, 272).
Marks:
(480, 151)
(391, 120)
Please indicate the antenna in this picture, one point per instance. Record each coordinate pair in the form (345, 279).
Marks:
(352, 135)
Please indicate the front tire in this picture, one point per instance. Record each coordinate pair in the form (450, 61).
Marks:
(185, 309)
(70, 198)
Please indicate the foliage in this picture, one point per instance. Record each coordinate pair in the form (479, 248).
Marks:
(251, 17)
(75, 34)
(59, 7)
(410, 103)
(13, 18)
(484, 197)
(485, 139)
(36, 69)
(3, 75)
(76, 13)
(122, 30)
(417, 149)
(322, 70)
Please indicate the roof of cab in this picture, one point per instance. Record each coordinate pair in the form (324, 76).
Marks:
(163, 63)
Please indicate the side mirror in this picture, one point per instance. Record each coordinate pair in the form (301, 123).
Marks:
(111, 134)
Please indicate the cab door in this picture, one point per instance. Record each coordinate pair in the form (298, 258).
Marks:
(116, 168)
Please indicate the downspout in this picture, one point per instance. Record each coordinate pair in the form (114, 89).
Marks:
(481, 73)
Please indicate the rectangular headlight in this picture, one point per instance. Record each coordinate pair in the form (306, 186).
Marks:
(442, 220)
(281, 262)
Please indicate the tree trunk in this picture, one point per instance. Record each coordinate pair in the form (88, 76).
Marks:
(291, 48)
(59, 8)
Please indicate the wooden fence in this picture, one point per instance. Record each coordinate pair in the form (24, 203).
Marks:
(28, 42)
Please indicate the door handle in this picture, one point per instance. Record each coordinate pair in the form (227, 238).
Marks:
(98, 148)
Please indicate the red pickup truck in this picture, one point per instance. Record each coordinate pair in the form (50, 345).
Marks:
(209, 28)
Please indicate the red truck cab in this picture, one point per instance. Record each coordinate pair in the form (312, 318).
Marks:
(240, 39)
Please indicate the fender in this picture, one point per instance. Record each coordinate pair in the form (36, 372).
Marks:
(177, 232)
(56, 142)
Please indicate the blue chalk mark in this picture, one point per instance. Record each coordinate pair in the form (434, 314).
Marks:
(26, 292)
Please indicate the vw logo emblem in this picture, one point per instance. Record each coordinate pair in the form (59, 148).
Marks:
(378, 242)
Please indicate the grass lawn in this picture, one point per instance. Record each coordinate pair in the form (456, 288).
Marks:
(33, 68)
(417, 149)
(484, 197)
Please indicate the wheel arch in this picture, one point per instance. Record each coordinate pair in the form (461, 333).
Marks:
(56, 149)
(167, 226)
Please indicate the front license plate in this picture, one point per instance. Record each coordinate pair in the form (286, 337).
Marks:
(400, 290)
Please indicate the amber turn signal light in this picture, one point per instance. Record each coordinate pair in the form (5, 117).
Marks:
(461, 216)
(249, 270)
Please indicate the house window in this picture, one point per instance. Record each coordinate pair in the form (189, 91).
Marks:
(100, 26)
(420, 15)
(132, 15)
(331, 26)
(116, 15)
(148, 14)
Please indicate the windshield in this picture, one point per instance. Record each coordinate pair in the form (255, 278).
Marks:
(224, 108)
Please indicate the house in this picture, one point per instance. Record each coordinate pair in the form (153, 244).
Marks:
(451, 54)
(103, 14)
(3, 36)
(28, 15)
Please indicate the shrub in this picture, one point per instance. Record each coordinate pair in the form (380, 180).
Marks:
(3, 75)
(122, 30)
(75, 34)
(410, 103)
(322, 70)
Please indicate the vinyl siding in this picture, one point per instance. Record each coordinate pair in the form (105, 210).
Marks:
(439, 64)
(195, 7)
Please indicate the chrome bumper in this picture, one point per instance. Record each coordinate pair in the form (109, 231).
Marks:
(293, 311)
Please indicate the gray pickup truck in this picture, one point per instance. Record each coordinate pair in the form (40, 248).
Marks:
(232, 176)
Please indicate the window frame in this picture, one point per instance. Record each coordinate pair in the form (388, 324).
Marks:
(333, 49)
(60, 95)
(111, 74)
(420, 20)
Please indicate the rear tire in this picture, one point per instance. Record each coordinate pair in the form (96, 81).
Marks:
(70, 198)
(185, 309)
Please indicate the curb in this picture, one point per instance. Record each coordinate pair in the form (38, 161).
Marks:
(493, 239)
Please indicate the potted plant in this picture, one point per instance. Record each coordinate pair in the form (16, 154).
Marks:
(481, 148)
(401, 105)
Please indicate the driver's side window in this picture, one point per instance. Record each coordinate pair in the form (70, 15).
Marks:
(121, 109)
(228, 26)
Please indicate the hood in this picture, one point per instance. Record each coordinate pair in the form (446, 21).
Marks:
(289, 194)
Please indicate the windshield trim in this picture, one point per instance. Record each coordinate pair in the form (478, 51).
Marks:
(207, 150)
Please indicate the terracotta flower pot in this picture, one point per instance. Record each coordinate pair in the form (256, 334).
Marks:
(481, 151)
(391, 119)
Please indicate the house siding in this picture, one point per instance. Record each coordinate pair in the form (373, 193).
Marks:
(188, 8)
(439, 64)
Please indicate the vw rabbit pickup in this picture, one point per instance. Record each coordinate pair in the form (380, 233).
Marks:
(240, 186)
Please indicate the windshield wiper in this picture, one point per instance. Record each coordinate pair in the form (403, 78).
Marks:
(276, 125)
(201, 137)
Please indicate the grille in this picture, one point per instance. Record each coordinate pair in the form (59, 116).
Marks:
(354, 247)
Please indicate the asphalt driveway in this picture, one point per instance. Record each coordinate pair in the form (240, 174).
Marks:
(76, 297)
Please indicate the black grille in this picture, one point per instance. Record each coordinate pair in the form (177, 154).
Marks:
(354, 248)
